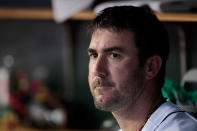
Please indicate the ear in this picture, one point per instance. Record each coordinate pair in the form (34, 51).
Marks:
(152, 66)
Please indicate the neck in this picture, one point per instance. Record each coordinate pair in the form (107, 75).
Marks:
(134, 116)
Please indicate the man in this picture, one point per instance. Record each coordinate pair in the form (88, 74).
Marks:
(128, 52)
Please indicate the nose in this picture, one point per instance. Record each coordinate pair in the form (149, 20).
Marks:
(101, 69)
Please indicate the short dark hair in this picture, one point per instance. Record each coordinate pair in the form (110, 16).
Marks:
(150, 35)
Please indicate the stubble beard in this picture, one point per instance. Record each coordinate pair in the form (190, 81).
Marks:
(122, 98)
(106, 105)
(110, 104)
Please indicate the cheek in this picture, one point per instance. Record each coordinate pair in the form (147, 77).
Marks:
(121, 68)
(89, 78)
(90, 74)
(89, 70)
(122, 73)
(90, 83)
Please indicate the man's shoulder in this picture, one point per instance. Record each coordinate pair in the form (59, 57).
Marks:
(180, 121)
(177, 120)
(169, 117)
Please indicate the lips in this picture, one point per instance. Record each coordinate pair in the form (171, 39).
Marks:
(101, 90)
(98, 90)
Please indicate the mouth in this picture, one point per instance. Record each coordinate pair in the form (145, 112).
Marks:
(101, 90)
(102, 84)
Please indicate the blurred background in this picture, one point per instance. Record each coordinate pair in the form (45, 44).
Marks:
(44, 63)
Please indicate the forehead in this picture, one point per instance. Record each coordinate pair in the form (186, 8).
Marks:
(105, 38)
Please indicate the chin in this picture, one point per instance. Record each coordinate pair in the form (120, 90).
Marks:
(105, 106)
(100, 104)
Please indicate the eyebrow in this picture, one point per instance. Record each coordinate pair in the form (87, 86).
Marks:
(109, 49)
(91, 50)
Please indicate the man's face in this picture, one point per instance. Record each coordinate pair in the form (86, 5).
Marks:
(115, 78)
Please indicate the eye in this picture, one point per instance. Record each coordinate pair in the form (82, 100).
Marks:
(93, 55)
(115, 55)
